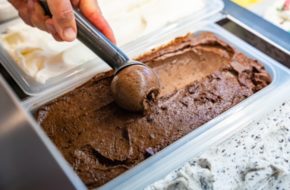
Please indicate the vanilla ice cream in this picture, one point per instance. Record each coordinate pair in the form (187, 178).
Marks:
(42, 58)
(7, 11)
(131, 19)
(39, 55)
(256, 158)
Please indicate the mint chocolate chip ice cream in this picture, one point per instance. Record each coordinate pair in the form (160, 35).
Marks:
(256, 158)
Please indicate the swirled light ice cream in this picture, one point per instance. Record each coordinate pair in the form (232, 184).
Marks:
(131, 19)
(275, 11)
(279, 14)
(39, 55)
(256, 158)
(42, 58)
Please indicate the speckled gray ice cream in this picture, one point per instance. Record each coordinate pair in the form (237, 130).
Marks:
(256, 158)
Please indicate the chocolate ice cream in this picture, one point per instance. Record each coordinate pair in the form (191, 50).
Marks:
(200, 76)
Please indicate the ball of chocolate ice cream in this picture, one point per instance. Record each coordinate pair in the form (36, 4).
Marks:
(134, 87)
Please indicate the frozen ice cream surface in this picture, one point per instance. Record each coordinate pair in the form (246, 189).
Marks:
(256, 158)
(42, 58)
(7, 11)
(200, 77)
(39, 55)
(131, 19)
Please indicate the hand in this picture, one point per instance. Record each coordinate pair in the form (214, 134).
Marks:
(62, 25)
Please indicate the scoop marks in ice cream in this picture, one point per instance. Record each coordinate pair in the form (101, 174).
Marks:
(200, 78)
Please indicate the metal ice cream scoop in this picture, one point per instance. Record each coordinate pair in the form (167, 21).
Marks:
(134, 83)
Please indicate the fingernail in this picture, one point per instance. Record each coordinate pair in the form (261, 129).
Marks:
(69, 34)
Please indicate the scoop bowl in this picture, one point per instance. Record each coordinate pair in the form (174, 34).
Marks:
(134, 86)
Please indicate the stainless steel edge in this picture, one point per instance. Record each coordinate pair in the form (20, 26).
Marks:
(28, 159)
(259, 26)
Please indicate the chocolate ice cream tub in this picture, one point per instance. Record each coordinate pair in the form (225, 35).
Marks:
(156, 162)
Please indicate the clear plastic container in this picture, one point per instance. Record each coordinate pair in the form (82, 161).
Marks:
(30, 86)
(218, 129)
(215, 130)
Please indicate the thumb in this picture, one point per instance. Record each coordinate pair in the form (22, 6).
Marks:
(63, 19)
(92, 12)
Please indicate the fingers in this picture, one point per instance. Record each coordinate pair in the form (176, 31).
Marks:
(63, 19)
(31, 13)
(22, 10)
(37, 15)
(62, 25)
(75, 3)
(91, 10)
(51, 29)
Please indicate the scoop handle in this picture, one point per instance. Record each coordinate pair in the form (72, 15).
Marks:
(95, 40)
